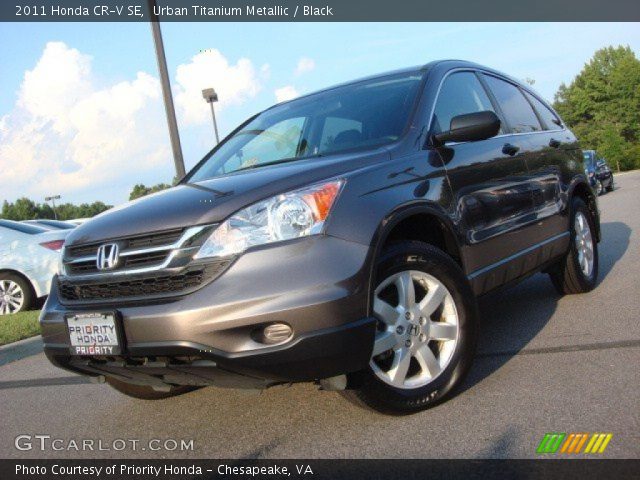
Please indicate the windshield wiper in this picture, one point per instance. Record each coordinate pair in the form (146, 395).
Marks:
(217, 193)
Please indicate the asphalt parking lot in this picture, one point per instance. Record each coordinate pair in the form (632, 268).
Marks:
(545, 364)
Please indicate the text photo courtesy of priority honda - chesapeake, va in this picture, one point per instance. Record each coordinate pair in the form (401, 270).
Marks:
(330, 241)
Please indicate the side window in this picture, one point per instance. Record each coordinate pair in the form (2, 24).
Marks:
(340, 133)
(461, 93)
(518, 112)
(550, 119)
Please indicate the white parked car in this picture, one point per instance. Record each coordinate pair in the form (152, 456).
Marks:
(29, 256)
(79, 221)
(51, 224)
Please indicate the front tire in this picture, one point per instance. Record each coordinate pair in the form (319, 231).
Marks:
(599, 189)
(611, 187)
(426, 334)
(145, 392)
(577, 271)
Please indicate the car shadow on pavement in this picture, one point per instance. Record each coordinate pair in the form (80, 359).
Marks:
(502, 447)
(512, 317)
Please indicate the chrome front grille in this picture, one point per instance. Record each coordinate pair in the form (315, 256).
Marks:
(156, 265)
(168, 237)
(137, 254)
(144, 259)
(153, 240)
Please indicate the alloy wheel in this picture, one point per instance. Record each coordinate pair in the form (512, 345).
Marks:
(11, 297)
(418, 329)
(584, 243)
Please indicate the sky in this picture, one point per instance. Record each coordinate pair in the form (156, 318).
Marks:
(81, 111)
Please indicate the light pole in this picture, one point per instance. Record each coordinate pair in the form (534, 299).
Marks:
(166, 91)
(210, 95)
(53, 199)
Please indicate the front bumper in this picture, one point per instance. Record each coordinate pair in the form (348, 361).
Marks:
(604, 177)
(317, 285)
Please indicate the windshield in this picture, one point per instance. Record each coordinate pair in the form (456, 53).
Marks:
(361, 115)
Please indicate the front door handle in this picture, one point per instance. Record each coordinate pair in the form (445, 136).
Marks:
(509, 149)
(554, 143)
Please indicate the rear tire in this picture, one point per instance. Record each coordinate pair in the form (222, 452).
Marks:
(16, 294)
(577, 271)
(439, 326)
(145, 392)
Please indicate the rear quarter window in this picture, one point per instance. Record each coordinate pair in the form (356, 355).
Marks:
(550, 119)
(517, 110)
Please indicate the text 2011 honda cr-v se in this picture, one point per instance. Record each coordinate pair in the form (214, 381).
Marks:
(341, 237)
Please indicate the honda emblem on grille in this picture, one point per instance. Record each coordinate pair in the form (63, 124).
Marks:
(108, 256)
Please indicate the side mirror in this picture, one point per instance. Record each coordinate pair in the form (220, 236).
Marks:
(469, 128)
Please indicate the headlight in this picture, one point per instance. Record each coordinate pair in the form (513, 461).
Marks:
(283, 217)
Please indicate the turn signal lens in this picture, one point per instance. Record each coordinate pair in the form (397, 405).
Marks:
(321, 199)
(55, 245)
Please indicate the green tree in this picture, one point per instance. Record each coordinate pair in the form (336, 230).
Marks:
(602, 106)
(140, 190)
(26, 209)
(22, 209)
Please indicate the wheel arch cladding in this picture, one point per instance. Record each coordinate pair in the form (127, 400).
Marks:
(424, 225)
(583, 191)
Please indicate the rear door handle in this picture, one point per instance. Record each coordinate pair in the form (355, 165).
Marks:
(509, 149)
(554, 143)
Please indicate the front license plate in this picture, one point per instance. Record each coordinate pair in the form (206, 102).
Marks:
(93, 334)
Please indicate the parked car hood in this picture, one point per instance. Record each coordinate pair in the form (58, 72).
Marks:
(51, 235)
(211, 201)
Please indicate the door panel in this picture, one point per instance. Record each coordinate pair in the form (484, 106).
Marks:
(541, 156)
(544, 165)
(492, 199)
(489, 179)
(550, 170)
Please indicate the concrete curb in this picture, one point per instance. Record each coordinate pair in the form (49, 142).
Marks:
(20, 349)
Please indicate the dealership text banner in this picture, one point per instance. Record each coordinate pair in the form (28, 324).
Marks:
(315, 469)
(322, 11)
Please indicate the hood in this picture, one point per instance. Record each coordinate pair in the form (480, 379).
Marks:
(212, 201)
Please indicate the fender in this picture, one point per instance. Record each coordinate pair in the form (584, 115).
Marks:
(582, 182)
(578, 180)
(393, 218)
